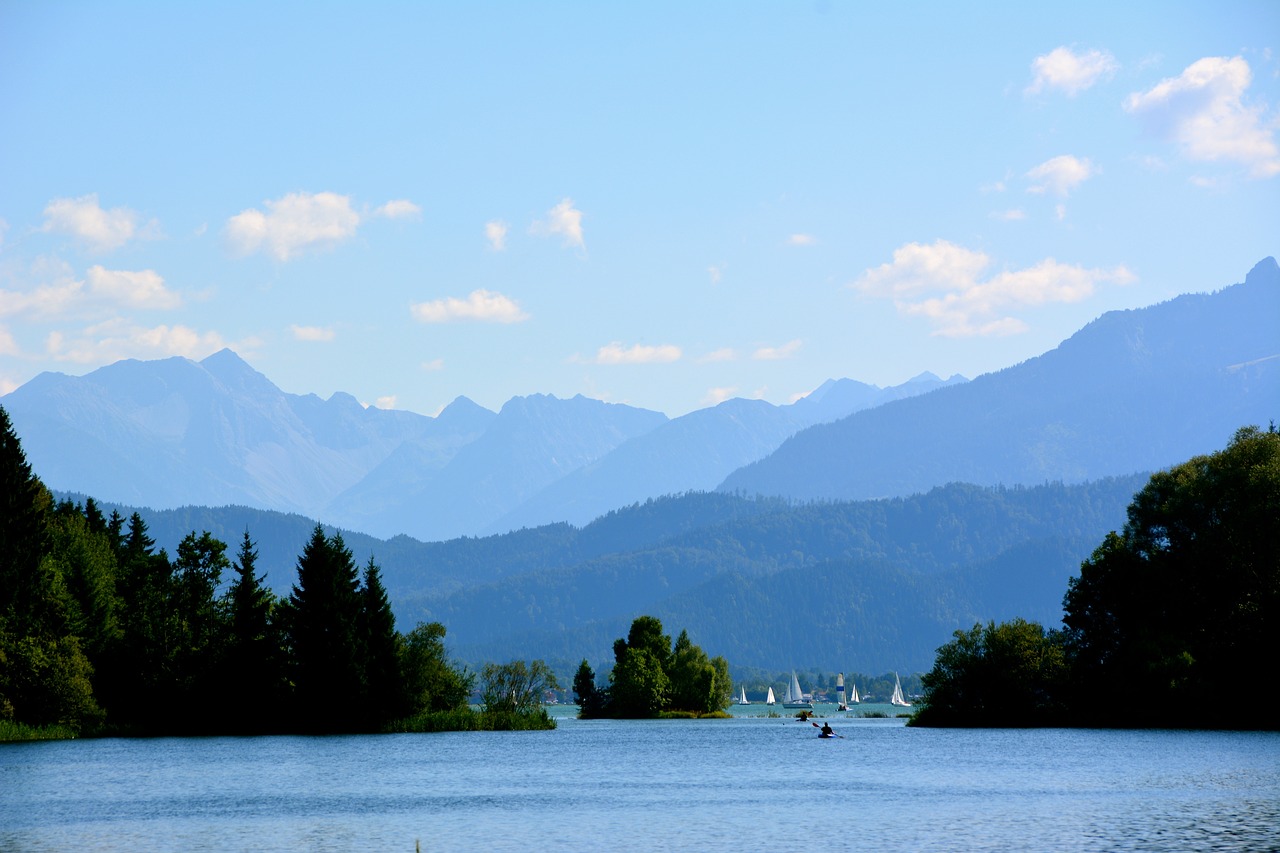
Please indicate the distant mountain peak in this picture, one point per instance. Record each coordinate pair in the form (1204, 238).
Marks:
(1263, 272)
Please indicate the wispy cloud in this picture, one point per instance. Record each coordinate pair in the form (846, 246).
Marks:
(1203, 112)
(1060, 175)
(93, 227)
(1070, 72)
(118, 339)
(481, 305)
(947, 285)
(387, 402)
(61, 294)
(495, 231)
(292, 224)
(317, 334)
(563, 220)
(719, 355)
(1011, 215)
(400, 208)
(133, 289)
(802, 240)
(715, 273)
(616, 353)
(787, 350)
(716, 396)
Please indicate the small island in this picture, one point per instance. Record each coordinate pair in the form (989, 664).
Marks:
(653, 678)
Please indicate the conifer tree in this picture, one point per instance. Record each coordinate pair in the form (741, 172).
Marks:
(323, 638)
(385, 697)
(253, 672)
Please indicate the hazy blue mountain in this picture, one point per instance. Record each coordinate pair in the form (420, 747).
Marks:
(1134, 390)
(533, 442)
(695, 452)
(175, 431)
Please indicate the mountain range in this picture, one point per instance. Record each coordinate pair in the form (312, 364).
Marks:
(1132, 391)
(177, 432)
(854, 529)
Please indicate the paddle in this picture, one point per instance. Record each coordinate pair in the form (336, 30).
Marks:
(816, 726)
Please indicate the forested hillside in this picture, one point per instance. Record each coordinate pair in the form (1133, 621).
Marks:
(871, 585)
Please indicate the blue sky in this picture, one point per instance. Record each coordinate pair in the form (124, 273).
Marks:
(643, 203)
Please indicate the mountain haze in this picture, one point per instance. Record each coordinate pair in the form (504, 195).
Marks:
(1133, 390)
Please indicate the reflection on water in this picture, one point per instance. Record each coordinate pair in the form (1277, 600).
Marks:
(747, 783)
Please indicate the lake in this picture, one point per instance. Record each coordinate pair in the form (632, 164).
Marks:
(750, 783)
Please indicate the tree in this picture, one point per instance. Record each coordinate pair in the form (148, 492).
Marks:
(514, 688)
(1185, 601)
(1009, 674)
(323, 638)
(44, 674)
(430, 682)
(591, 702)
(253, 668)
(386, 698)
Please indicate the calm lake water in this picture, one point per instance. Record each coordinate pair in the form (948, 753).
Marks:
(751, 783)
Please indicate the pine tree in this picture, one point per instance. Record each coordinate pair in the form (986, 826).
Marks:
(253, 673)
(385, 698)
(323, 638)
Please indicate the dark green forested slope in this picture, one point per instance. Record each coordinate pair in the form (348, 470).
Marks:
(768, 583)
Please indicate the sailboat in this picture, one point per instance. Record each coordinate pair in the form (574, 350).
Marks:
(769, 700)
(795, 697)
(896, 698)
(742, 697)
(853, 694)
(841, 705)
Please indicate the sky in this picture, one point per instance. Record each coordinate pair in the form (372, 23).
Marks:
(659, 204)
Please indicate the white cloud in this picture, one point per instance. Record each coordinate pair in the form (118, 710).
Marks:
(49, 299)
(1060, 175)
(723, 354)
(320, 334)
(715, 273)
(293, 223)
(133, 289)
(387, 402)
(563, 219)
(400, 208)
(1012, 215)
(802, 240)
(97, 229)
(1070, 72)
(615, 353)
(481, 305)
(117, 339)
(433, 365)
(787, 350)
(716, 396)
(945, 283)
(1203, 112)
(8, 346)
(495, 231)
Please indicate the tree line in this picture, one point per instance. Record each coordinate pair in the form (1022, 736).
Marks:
(102, 633)
(1170, 621)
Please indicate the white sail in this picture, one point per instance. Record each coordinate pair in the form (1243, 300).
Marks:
(897, 699)
(795, 697)
(769, 700)
(853, 693)
(742, 699)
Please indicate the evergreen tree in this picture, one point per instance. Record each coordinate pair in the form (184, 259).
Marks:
(323, 637)
(44, 674)
(201, 629)
(386, 698)
(253, 672)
